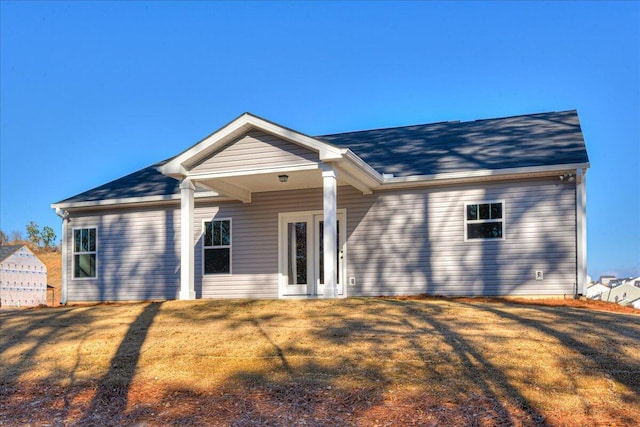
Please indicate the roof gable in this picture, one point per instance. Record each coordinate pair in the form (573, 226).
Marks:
(179, 165)
(255, 150)
(7, 250)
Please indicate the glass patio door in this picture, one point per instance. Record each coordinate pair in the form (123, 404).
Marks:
(299, 244)
(302, 255)
(319, 258)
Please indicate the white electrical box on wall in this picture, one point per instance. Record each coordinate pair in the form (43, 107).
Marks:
(352, 281)
(539, 275)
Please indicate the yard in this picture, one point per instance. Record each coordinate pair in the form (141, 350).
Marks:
(362, 362)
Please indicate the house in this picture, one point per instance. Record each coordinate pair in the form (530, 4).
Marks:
(260, 210)
(595, 290)
(23, 277)
(624, 294)
(606, 280)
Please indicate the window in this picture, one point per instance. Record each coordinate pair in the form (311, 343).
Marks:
(217, 247)
(484, 220)
(84, 253)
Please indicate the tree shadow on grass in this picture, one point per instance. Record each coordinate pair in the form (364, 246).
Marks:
(111, 397)
(607, 359)
(357, 387)
(491, 381)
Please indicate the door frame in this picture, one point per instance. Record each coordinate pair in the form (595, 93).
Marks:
(312, 253)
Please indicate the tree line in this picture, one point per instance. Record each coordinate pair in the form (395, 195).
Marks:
(38, 239)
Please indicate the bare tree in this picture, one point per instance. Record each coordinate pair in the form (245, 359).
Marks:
(16, 237)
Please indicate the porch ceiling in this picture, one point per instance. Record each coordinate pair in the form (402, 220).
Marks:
(263, 182)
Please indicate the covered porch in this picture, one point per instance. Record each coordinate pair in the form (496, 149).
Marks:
(251, 155)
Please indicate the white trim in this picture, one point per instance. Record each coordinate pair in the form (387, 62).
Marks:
(387, 183)
(581, 231)
(73, 253)
(236, 128)
(257, 171)
(132, 200)
(329, 213)
(364, 166)
(187, 208)
(230, 246)
(64, 215)
(485, 221)
(478, 175)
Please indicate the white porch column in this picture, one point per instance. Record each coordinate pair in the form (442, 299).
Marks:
(330, 238)
(187, 287)
(65, 252)
(581, 230)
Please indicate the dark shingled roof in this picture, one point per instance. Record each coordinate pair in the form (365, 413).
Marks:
(7, 250)
(511, 142)
(543, 139)
(145, 182)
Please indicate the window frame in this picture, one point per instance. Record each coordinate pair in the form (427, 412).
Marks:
(74, 253)
(485, 221)
(229, 246)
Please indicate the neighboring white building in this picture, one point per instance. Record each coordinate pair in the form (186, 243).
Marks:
(633, 281)
(597, 289)
(23, 277)
(606, 279)
(624, 294)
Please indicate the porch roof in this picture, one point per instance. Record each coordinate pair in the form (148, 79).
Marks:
(518, 143)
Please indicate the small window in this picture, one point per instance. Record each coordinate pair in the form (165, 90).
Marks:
(217, 247)
(484, 220)
(84, 253)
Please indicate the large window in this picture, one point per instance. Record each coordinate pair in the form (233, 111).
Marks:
(84, 252)
(217, 247)
(484, 220)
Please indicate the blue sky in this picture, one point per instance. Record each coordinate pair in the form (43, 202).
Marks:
(91, 91)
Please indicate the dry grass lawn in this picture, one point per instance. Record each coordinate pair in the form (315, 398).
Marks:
(324, 362)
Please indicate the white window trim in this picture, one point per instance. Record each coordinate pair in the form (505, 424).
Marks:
(74, 253)
(204, 248)
(480, 221)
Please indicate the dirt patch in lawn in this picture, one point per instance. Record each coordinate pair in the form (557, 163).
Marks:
(376, 361)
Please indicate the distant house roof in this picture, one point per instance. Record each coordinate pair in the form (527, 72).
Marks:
(545, 139)
(6, 251)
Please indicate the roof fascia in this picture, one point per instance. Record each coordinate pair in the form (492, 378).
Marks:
(140, 201)
(479, 175)
(357, 172)
(179, 165)
(244, 172)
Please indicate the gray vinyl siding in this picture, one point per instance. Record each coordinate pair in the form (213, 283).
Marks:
(137, 255)
(256, 150)
(399, 242)
(411, 241)
(254, 243)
